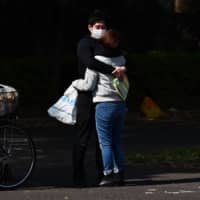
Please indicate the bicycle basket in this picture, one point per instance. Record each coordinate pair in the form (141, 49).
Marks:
(8, 100)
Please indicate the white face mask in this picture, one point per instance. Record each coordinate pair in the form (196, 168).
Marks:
(98, 33)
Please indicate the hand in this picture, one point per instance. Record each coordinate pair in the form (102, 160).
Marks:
(119, 71)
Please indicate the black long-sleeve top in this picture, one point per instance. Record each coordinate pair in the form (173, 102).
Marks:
(86, 52)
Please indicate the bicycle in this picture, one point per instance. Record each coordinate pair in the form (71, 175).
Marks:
(17, 150)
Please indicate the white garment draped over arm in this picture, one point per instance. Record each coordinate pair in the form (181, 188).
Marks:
(88, 83)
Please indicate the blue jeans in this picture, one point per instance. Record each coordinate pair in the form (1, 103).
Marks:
(109, 123)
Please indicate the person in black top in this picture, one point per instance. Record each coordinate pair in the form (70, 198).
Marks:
(85, 108)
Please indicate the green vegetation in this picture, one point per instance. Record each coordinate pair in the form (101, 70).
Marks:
(29, 75)
(33, 76)
(171, 77)
(186, 157)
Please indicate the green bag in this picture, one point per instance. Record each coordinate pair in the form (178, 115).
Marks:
(121, 86)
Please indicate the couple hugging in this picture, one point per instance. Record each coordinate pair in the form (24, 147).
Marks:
(108, 95)
(100, 95)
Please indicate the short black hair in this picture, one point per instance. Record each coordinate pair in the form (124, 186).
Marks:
(97, 16)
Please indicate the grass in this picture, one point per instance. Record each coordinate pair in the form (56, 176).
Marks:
(175, 157)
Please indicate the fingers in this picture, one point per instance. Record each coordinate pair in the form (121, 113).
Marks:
(119, 71)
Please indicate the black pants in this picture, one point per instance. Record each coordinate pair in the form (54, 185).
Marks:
(85, 128)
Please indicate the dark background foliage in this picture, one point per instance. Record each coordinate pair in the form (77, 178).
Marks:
(39, 39)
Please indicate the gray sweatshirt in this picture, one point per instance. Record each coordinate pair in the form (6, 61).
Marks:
(99, 83)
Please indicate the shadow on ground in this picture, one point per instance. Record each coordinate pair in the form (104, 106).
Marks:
(54, 147)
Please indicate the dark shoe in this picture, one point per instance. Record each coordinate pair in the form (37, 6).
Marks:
(79, 180)
(1, 171)
(99, 176)
(118, 178)
(107, 180)
(80, 183)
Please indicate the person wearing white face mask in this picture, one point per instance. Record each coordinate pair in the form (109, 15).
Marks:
(97, 31)
(85, 107)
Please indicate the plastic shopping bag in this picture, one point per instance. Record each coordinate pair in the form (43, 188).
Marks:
(65, 110)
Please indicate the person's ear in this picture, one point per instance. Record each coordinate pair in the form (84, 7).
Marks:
(90, 27)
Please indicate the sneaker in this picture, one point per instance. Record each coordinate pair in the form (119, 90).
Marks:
(107, 180)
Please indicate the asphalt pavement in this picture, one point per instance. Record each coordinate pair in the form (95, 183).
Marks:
(52, 176)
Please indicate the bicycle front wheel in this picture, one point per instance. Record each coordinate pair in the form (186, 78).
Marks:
(17, 156)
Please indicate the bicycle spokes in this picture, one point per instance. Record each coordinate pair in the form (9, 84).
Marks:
(18, 156)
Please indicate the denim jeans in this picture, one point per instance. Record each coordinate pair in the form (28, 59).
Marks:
(109, 123)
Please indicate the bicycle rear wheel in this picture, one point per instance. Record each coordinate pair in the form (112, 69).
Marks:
(17, 156)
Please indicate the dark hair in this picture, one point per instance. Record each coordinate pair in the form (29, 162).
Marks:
(111, 38)
(97, 16)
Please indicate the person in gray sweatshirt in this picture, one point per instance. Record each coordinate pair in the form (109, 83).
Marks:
(110, 108)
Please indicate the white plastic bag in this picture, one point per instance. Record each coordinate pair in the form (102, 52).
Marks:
(65, 110)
